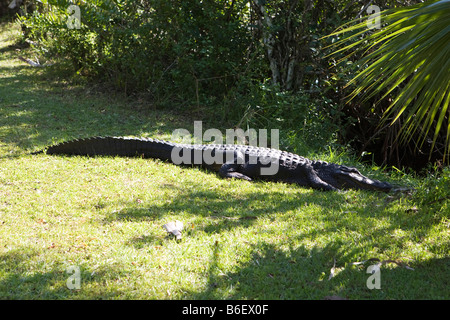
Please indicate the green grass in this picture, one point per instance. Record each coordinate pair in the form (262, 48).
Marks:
(242, 240)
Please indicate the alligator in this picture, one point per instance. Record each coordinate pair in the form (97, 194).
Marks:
(228, 160)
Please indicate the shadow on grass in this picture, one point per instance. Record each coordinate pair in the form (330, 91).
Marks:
(303, 273)
(22, 282)
(270, 274)
(336, 212)
(224, 211)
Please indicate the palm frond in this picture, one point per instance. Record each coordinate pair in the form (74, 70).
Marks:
(412, 49)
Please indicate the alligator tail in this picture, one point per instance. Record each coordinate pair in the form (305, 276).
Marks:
(114, 146)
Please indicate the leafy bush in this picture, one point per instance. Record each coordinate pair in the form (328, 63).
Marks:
(176, 48)
(400, 59)
(190, 49)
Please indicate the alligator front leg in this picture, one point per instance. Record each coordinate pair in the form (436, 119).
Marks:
(314, 181)
(233, 168)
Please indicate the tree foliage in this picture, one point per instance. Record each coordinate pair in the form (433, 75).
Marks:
(410, 56)
(192, 46)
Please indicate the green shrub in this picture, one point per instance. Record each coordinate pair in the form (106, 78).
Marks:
(177, 48)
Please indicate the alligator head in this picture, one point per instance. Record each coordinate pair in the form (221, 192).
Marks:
(343, 177)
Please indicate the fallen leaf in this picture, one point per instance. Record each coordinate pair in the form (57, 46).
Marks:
(53, 245)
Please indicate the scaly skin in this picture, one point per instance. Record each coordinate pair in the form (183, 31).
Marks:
(230, 161)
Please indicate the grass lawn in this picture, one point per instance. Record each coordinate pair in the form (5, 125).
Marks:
(104, 216)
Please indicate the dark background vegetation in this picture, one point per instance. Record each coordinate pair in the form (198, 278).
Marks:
(260, 64)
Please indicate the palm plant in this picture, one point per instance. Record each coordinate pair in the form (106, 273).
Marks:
(411, 49)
